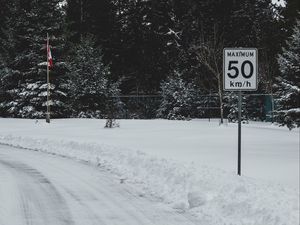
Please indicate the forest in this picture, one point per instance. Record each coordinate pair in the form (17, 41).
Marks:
(147, 59)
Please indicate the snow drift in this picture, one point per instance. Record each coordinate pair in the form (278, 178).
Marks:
(215, 197)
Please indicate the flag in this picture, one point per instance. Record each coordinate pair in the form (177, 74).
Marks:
(49, 55)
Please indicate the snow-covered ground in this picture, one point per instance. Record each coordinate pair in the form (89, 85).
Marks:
(190, 165)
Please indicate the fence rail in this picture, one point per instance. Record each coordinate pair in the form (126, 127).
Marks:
(259, 106)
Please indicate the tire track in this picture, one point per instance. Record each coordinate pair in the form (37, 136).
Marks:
(40, 203)
(57, 191)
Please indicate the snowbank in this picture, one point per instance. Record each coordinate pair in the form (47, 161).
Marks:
(215, 197)
(269, 153)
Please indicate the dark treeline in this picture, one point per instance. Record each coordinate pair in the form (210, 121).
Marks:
(104, 49)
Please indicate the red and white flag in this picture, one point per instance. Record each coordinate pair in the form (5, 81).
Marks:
(49, 55)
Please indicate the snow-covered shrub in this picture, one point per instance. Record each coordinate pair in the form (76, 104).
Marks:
(179, 99)
(111, 123)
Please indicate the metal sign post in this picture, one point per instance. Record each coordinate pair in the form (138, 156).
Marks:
(239, 134)
(240, 72)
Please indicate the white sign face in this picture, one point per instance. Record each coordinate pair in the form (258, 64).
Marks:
(240, 69)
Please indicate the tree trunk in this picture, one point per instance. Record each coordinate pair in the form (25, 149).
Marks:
(81, 19)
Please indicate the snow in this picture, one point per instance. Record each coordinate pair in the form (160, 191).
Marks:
(47, 189)
(190, 165)
(279, 2)
(295, 110)
(32, 86)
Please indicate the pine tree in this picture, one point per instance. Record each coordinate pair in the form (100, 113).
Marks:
(92, 93)
(147, 42)
(89, 17)
(25, 67)
(231, 102)
(290, 12)
(289, 82)
(179, 99)
(6, 6)
(6, 79)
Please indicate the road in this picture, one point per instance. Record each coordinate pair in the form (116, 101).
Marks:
(38, 189)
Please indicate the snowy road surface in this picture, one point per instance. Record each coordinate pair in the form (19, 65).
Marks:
(38, 188)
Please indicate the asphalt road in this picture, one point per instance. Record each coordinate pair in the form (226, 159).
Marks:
(38, 189)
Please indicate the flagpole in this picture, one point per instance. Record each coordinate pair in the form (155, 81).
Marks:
(48, 84)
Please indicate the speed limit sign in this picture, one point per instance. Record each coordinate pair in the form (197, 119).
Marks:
(240, 74)
(240, 69)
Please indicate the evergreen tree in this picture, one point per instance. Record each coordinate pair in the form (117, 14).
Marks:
(179, 99)
(6, 6)
(148, 36)
(290, 12)
(89, 17)
(141, 41)
(6, 10)
(24, 56)
(92, 93)
(138, 38)
(289, 81)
